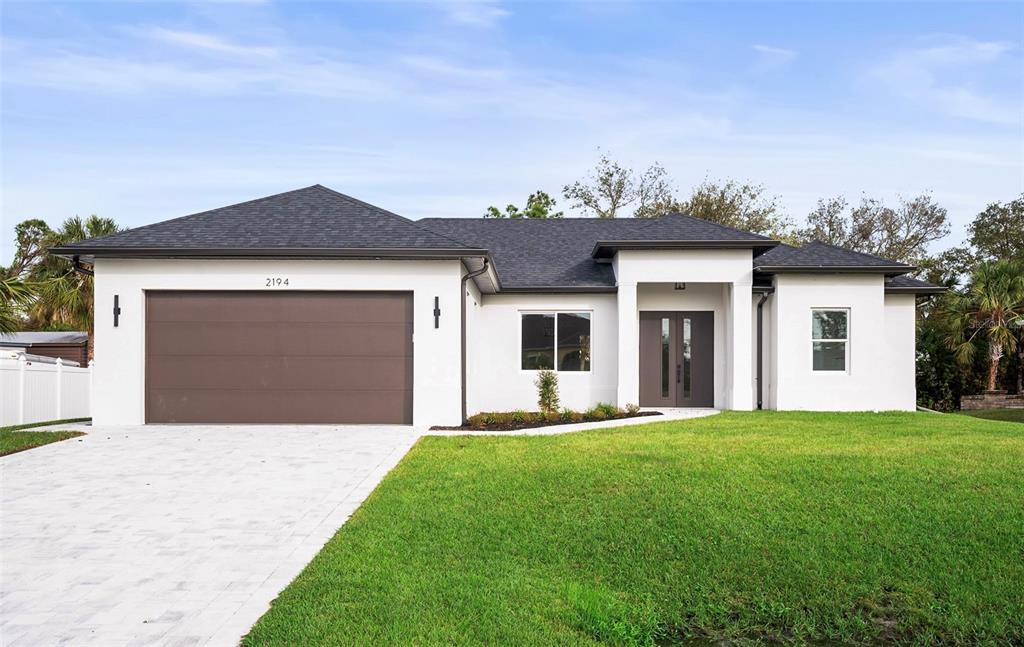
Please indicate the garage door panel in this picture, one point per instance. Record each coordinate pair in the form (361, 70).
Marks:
(279, 357)
(286, 307)
(275, 338)
(222, 406)
(272, 373)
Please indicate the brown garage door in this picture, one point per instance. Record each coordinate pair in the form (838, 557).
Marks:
(285, 357)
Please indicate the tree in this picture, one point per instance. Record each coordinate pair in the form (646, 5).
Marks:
(998, 231)
(738, 205)
(65, 297)
(538, 205)
(901, 234)
(15, 297)
(30, 239)
(610, 187)
(991, 309)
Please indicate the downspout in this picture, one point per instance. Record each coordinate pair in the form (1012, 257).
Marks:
(760, 346)
(81, 269)
(462, 299)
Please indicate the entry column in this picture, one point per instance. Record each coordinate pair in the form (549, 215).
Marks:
(741, 386)
(629, 346)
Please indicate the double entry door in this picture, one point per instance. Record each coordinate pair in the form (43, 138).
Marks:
(677, 353)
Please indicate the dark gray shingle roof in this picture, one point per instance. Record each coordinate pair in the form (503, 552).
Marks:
(527, 254)
(911, 285)
(819, 255)
(532, 253)
(311, 218)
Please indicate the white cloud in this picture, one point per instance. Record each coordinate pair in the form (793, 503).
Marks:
(774, 56)
(478, 13)
(929, 75)
(209, 43)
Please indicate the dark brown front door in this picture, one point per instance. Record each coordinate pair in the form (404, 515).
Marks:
(677, 351)
(283, 357)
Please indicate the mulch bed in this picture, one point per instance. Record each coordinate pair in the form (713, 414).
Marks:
(516, 426)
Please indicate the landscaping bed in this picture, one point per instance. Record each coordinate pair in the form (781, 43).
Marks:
(515, 420)
(739, 528)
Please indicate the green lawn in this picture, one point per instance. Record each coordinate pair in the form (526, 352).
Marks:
(14, 439)
(757, 527)
(1006, 415)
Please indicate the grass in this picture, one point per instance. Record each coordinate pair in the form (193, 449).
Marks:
(13, 439)
(744, 527)
(1006, 415)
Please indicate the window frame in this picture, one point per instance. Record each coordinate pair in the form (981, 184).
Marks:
(845, 342)
(554, 348)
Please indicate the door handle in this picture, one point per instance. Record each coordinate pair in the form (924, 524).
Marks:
(679, 373)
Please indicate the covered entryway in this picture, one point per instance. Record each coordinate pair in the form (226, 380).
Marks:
(279, 357)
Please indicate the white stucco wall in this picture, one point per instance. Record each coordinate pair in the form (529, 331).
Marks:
(119, 385)
(880, 370)
(901, 337)
(495, 379)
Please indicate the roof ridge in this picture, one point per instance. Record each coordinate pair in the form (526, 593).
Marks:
(373, 207)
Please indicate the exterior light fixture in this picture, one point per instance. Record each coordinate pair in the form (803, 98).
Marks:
(680, 286)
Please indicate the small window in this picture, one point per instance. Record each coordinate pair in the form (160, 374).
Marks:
(556, 340)
(830, 339)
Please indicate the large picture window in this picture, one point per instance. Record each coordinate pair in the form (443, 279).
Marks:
(830, 339)
(556, 340)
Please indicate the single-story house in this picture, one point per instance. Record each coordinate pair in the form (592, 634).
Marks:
(67, 346)
(313, 307)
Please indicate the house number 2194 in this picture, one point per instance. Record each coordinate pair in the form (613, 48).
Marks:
(276, 282)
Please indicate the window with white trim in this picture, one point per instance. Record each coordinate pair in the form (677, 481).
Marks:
(555, 340)
(830, 338)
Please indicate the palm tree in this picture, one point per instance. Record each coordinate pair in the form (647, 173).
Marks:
(66, 296)
(15, 296)
(991, 308)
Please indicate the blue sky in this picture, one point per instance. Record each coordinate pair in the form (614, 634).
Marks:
(145, 111)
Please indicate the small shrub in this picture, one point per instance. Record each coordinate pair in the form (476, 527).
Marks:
(547, 391)
(632, 408)
(608, 410)
(477, 420)
(568, 415)
(519, 416)
(492, 418)
(596, 413)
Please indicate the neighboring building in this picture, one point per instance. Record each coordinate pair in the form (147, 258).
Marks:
(68, 346)
(311, 306)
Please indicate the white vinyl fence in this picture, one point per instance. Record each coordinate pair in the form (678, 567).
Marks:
(37, 390)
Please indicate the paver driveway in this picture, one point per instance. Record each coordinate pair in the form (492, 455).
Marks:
(173, 535)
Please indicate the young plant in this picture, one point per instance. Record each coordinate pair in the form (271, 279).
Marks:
(547, 391)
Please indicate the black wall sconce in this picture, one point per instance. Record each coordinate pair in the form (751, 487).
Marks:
(117, 309)
(437, 312)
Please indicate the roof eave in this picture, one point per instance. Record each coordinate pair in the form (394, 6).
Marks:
(931, 289)
(889, 270)
(604, 248)
(297, 252)
(561, 289)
